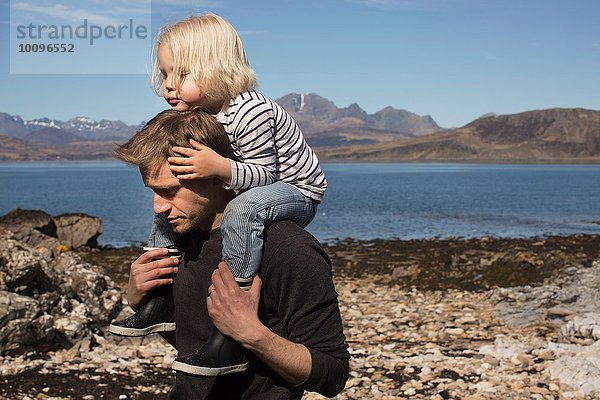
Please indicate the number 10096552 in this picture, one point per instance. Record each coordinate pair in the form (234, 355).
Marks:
(46, 48)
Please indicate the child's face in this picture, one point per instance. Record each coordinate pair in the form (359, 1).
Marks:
(188, 95)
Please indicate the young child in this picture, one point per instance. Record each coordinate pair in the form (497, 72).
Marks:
(200, 62)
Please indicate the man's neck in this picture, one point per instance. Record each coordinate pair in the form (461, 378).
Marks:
(217, 222)
(228, 195)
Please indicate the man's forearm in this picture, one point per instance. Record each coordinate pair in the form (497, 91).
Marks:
(234, 313)
(291, 361)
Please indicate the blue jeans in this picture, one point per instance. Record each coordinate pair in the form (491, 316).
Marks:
(244, 222)
(246, 217)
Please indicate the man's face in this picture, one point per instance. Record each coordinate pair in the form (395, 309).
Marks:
(186, 204)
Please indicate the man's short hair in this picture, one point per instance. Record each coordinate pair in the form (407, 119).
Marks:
(152, 145)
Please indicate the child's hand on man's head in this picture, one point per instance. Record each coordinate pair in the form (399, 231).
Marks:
(199, 162)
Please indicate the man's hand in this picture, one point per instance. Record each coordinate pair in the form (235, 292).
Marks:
(234, 311)
(201, 162)
(151, 270)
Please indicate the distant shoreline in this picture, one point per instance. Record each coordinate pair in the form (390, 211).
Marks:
(430, 264)
(328, 161)
(349, 241)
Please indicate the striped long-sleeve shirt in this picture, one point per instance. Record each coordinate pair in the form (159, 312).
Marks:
(270, 147)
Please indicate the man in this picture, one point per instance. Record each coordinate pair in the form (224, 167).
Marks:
(288, 322)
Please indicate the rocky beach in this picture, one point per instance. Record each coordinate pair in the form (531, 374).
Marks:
(484, 318)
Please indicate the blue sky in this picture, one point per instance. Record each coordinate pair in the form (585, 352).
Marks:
(452, 59)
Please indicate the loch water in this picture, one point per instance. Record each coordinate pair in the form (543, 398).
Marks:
(363, 200)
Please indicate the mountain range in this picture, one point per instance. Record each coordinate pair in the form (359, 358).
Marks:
(324, 124)
(553, 135)
(347, 134)
(79, 128)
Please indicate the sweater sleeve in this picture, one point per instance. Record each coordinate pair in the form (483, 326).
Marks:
(303, 289)
(254, 137)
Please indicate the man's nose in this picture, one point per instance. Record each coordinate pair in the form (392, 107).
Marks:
(160, 204)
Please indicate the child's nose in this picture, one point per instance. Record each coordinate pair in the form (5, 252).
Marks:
(168, 83)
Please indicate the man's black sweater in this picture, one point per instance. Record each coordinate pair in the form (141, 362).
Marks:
(298, 302)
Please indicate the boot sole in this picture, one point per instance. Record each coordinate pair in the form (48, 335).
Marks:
(136, 332)
(208, 371)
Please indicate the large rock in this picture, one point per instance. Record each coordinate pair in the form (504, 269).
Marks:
(77, 230)
(33, 227)
(19, 265)
(14, 306)
(582, 327)
(50, 303)
(578, 367)
(42, 231)
(29, 219)
(570, 301)
(576, 291)
(22, 326)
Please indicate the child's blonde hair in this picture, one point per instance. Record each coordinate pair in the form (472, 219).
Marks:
(209, 49)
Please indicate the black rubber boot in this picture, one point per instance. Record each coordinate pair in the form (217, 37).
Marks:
(219, 356)
(157, 315)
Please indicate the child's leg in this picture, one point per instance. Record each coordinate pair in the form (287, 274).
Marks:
(162, 234)
(246, 216)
